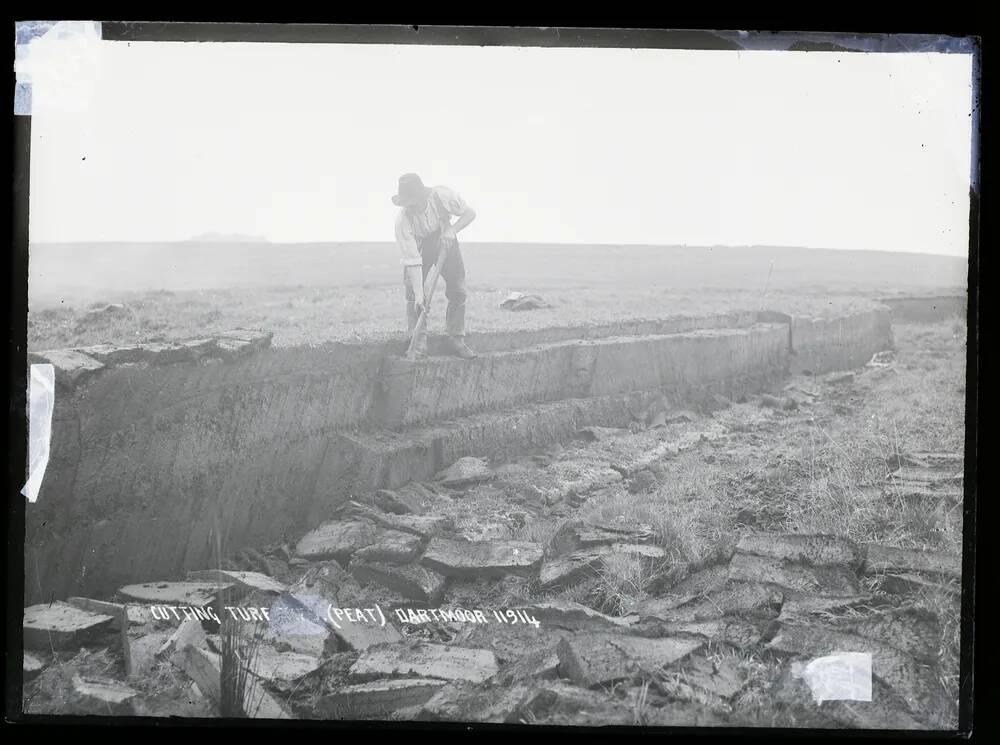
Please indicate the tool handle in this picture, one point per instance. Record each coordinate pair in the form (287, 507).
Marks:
(430, 283)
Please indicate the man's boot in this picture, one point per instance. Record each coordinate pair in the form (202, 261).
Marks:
(459, 348)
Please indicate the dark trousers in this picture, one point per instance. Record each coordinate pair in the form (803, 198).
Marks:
(453, 274)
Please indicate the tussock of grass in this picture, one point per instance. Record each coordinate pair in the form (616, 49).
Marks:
(761, 672)
(537, 531)
(641, 705)
(240, 645)
(622, 583)
(826, 474)
(689, 529)
(945, 606)
(842, 467)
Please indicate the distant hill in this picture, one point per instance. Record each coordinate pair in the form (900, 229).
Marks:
(227, 238)
(67, 270)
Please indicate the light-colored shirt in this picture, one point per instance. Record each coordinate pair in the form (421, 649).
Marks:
(413, 228)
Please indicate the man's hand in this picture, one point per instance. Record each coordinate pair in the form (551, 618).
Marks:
(448, 236)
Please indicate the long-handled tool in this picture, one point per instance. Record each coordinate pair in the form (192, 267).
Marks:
(418, 340)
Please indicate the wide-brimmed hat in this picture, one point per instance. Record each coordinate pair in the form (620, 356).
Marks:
(411, 191)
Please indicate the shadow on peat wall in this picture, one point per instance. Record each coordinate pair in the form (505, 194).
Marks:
(156, 451)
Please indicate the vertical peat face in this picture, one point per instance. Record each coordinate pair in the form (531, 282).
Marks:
(158, 451)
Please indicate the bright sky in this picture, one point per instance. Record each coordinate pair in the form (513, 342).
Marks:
(305, 142)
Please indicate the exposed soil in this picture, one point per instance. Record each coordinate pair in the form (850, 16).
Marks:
(685, 619)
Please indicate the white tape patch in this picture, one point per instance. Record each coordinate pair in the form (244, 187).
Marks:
(53, 54)
(842, 676)
(41, 401)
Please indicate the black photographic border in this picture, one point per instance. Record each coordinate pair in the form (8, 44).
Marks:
(642, 35)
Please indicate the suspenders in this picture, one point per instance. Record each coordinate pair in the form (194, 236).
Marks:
(443, 216)
(444, 219)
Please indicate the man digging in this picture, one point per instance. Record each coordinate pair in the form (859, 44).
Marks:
(423, 229)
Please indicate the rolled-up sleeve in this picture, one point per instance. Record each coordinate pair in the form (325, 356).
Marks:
(452, 202)
(407, 242)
